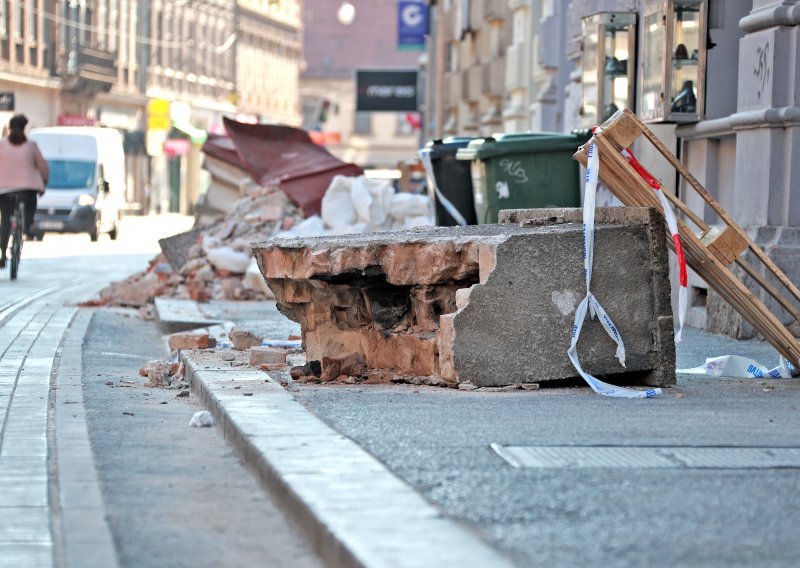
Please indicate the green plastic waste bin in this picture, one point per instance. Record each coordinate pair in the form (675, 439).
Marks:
(524, 171)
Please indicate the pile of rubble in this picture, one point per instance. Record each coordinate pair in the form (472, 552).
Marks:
(266, 181)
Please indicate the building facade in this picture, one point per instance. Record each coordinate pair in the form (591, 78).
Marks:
(712, 78)
(333, 51)
(113, 62)
(268, 57)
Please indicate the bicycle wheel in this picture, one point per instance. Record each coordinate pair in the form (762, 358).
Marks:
(16, 240)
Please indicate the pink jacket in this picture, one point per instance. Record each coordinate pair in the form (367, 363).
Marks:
(22, 167)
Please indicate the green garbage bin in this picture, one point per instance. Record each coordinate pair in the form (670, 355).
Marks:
(524, 171)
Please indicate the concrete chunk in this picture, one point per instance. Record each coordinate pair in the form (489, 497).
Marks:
(267, 356)
(491, 305)
(242, 339)
(191, 341)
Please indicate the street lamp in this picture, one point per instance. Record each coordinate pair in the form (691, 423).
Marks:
(346, 13)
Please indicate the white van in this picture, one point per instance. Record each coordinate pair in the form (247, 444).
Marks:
(86, 190)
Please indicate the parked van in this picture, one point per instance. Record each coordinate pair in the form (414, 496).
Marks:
(86, 190)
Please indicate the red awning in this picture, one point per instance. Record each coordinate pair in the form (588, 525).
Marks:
(283, 156)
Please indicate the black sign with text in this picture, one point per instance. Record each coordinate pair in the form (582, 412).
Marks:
(6, 101)
(387, 90)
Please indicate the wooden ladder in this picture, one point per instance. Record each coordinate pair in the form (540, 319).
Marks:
(713, 251)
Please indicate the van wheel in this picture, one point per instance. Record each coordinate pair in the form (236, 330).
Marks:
(114, 232)
(38, 236)
(94, 232)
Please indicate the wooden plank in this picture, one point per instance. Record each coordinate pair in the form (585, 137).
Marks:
(697, 186)
(725, 244)
(710, 259)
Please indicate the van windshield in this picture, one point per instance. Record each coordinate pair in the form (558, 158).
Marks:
(71, 174)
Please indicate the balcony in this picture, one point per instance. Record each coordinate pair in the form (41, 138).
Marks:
(453, 88)
(87, 70)
(517, 76)
(473, 85)
(493, 80)
(493, 10)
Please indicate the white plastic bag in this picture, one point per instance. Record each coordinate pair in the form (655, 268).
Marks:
(337, 203)
(372, 200)
(314, 226)
(410, 205)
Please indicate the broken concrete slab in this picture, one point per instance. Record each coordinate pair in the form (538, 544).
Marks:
(491, 304)
(174, 315)
(176, 248)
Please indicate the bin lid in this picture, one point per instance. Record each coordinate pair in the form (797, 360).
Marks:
(523, 143)
(447, 147)
(472, 149)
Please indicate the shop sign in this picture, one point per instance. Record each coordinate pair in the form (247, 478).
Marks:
(412, 25)
(324, 137)
(74, 120)
(158, 117)
(386, 90)
(6, 101)
(177, 147)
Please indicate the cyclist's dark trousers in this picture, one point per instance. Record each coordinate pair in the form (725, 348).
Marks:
(29, 198)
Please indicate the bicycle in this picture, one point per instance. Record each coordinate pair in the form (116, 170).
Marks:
(17, 221)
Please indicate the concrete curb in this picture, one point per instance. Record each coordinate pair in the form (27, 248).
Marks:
(83, 527)
(354, 511)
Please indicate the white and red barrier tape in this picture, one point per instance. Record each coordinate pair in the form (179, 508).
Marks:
(590, 303)
(672, 223)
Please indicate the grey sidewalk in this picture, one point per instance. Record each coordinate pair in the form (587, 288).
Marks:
(46, 482)
(438, 442)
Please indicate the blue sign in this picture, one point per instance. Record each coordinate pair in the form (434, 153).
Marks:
(412, 25)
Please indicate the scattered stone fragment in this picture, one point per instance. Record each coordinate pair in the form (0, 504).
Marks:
(350, 364)
(182, 394)
(267, 356)
(247, 394)
(161, 366)
(242, 339)
(147, 312)
(191, 341)
(228, 357)
(467, 386)
(272, 367)
(202, 419)
(127, 413)
(157, 379)
(679, 395)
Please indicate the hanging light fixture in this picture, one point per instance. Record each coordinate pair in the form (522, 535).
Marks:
(346, 13)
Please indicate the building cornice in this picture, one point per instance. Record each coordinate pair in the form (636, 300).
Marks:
(31, 80)
(782, 117)
(784, 14)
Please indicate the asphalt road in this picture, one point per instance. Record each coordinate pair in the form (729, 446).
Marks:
(175, 495)
(438, 440)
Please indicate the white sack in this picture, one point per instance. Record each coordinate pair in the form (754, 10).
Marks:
(372, 200)
(314, 226)
(337, 205)
(410, 205)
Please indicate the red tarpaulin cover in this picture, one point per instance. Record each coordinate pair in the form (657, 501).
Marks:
(283, 156)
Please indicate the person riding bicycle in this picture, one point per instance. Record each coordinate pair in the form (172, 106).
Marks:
(24, 172)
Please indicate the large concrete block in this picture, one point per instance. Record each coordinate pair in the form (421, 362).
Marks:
(489, 304)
